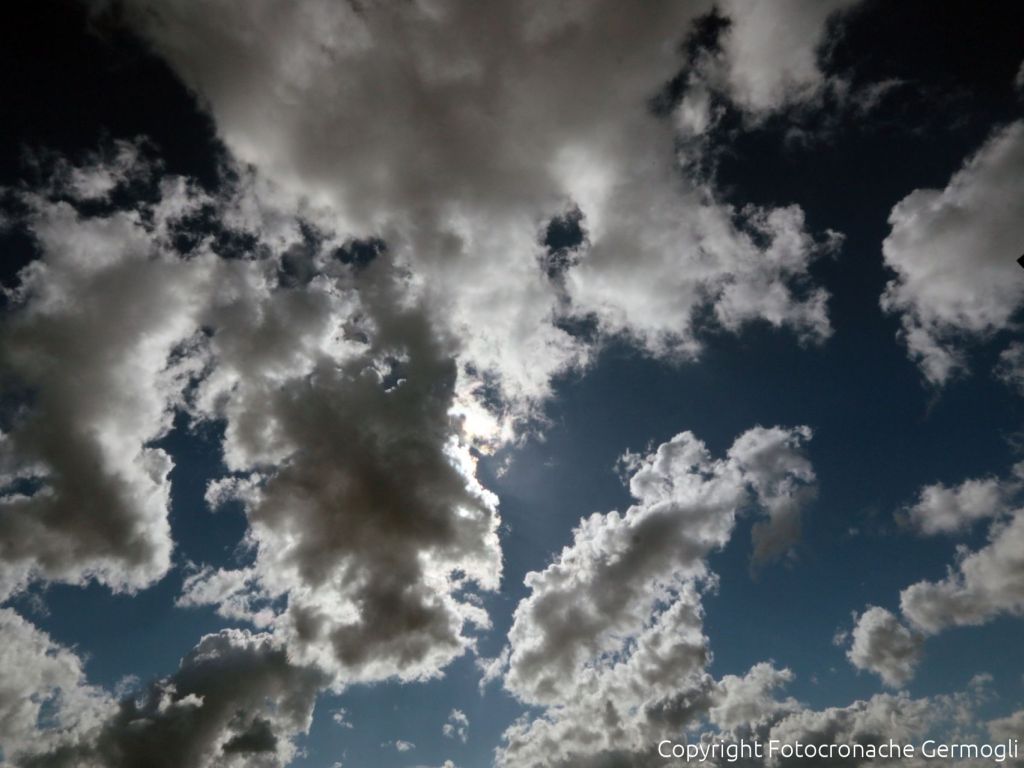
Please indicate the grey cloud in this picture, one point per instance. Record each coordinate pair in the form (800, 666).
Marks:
(982, 585)
(770, 56)
(88, 347)
(457, 144)
(236, 700)
(940, 509)
(369, 519)
(338, 403)
(783, 480)
(40, 676)
(883, 645)
(953, 251)
(978, 587)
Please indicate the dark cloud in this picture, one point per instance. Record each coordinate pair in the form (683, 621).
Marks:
(236, 700)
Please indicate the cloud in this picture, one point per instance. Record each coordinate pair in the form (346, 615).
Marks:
(367, 515)
(457, 726)
(336, 393)
(783, 481)
(760, 714)
(770, 55)
(1010, 368)
(610, 640)
(954, 253)
(45, 700)
(604, 586)
(236, 700)
(875, 721)
(982, 585)
(881, 644)
(1008, 727)
(94, 346)
(457, 145)
(940, 509)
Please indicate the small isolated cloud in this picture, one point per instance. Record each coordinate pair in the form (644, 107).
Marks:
(399, 745)
(340, 717)
(457, 726)
(940, 509)
(954, 253)
(768, 64)
(1010, 368)
(883, 645)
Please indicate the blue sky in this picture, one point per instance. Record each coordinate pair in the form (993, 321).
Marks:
(811, 226)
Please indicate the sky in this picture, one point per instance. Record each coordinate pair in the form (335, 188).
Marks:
(442, 384)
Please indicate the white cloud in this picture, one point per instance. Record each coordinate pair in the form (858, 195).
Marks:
(770, 52)
(96, 332)
(457, 726)
(456, 146)
(1010, 368)
(372, 520)
(45, 701)
(981, 586)
(954, 253)
(940, 509)
(340, 716)
(604, 586)
(883, 645)
(338, 399)
(610, 641)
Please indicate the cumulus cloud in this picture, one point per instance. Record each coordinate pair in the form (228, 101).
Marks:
(883, 645)
(978, 587)
(455, 147)
(954, 253)
(45, 700)
(236, 700)
(457, 726)
(610, 638)
(940, 509)
(337, 396)
(982, 585)
(605, 584)
(875, 721)
(93, 347)
(370, 299)
(371, 520)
